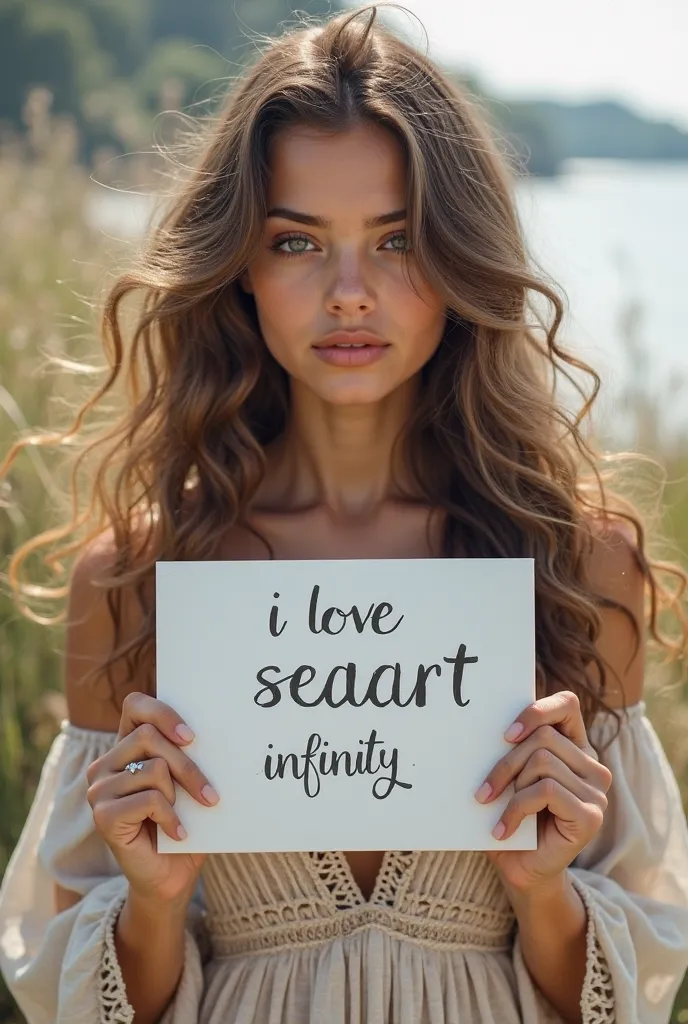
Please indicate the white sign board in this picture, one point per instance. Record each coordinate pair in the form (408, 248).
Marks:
(346, 704)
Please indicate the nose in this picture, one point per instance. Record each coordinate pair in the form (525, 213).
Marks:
(350, 293)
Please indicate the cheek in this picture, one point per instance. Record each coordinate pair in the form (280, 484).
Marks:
(271, 287)
(283, 301)
(421, 312)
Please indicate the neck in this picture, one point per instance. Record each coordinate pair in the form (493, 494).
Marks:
(342, 456)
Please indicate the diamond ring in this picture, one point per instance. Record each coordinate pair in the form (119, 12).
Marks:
(134, 766)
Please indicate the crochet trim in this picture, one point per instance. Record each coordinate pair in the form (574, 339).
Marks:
(331, 869)
(332, 872)
(327, 904)
(115, 1008)
(597, 997)
(395, 871)
(311, 933)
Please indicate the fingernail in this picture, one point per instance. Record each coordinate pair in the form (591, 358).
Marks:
(185, 733)
(209, 794)
(499, 830)
(514, 731)
(484, 792)
(181, 832)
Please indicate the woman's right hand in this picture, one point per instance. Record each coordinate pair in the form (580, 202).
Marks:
(127, 807)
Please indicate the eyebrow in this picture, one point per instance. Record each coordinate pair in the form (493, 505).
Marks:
(321, 222)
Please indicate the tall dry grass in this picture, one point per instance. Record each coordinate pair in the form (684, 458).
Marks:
(52, 263)
(52, 267)
(49, 260)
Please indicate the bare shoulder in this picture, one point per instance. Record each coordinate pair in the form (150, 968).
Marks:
(614, 571)
(90, 637)
(612, 564)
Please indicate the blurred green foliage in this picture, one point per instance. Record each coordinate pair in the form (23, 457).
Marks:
(110, 63)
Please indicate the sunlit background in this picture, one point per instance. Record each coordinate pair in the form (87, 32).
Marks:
(610, 225)
(591, 98)
(626, 51)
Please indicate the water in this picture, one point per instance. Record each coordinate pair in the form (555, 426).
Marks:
(607, 233)
(610, 233)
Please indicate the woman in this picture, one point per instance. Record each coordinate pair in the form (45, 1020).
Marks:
(334, 360)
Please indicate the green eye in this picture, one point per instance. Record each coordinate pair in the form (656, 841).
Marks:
(399, 243)
(292, 245)
(296, 244)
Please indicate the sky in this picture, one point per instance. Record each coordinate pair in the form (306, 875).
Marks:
(633, 51)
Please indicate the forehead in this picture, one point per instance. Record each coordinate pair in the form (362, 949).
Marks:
(318, 172)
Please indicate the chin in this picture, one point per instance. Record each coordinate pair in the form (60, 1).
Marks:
(353, 392)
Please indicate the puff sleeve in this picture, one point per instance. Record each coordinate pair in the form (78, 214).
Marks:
(61, 967)
(633, 880)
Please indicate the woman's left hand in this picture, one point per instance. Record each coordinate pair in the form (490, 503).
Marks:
(556, 775)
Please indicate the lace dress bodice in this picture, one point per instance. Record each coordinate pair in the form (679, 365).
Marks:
(271, 902)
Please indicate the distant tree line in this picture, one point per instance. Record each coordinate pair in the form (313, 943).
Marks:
(114, 64)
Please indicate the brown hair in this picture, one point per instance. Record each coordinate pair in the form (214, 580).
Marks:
(488, 445)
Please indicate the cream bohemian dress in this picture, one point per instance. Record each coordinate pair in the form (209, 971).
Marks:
(289, 938)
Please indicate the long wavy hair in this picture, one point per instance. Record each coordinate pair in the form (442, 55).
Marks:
(489, 444)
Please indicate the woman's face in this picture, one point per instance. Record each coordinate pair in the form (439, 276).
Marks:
(331, 261)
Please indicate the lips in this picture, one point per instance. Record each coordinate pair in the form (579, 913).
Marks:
(351, 339)
(351, 349)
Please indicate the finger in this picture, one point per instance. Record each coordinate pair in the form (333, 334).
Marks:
(115, 819)
(560, 709)
(141, 708)
(543, 764)
(577, 821)
(146, 742)
(507, 769)
(155, 774)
